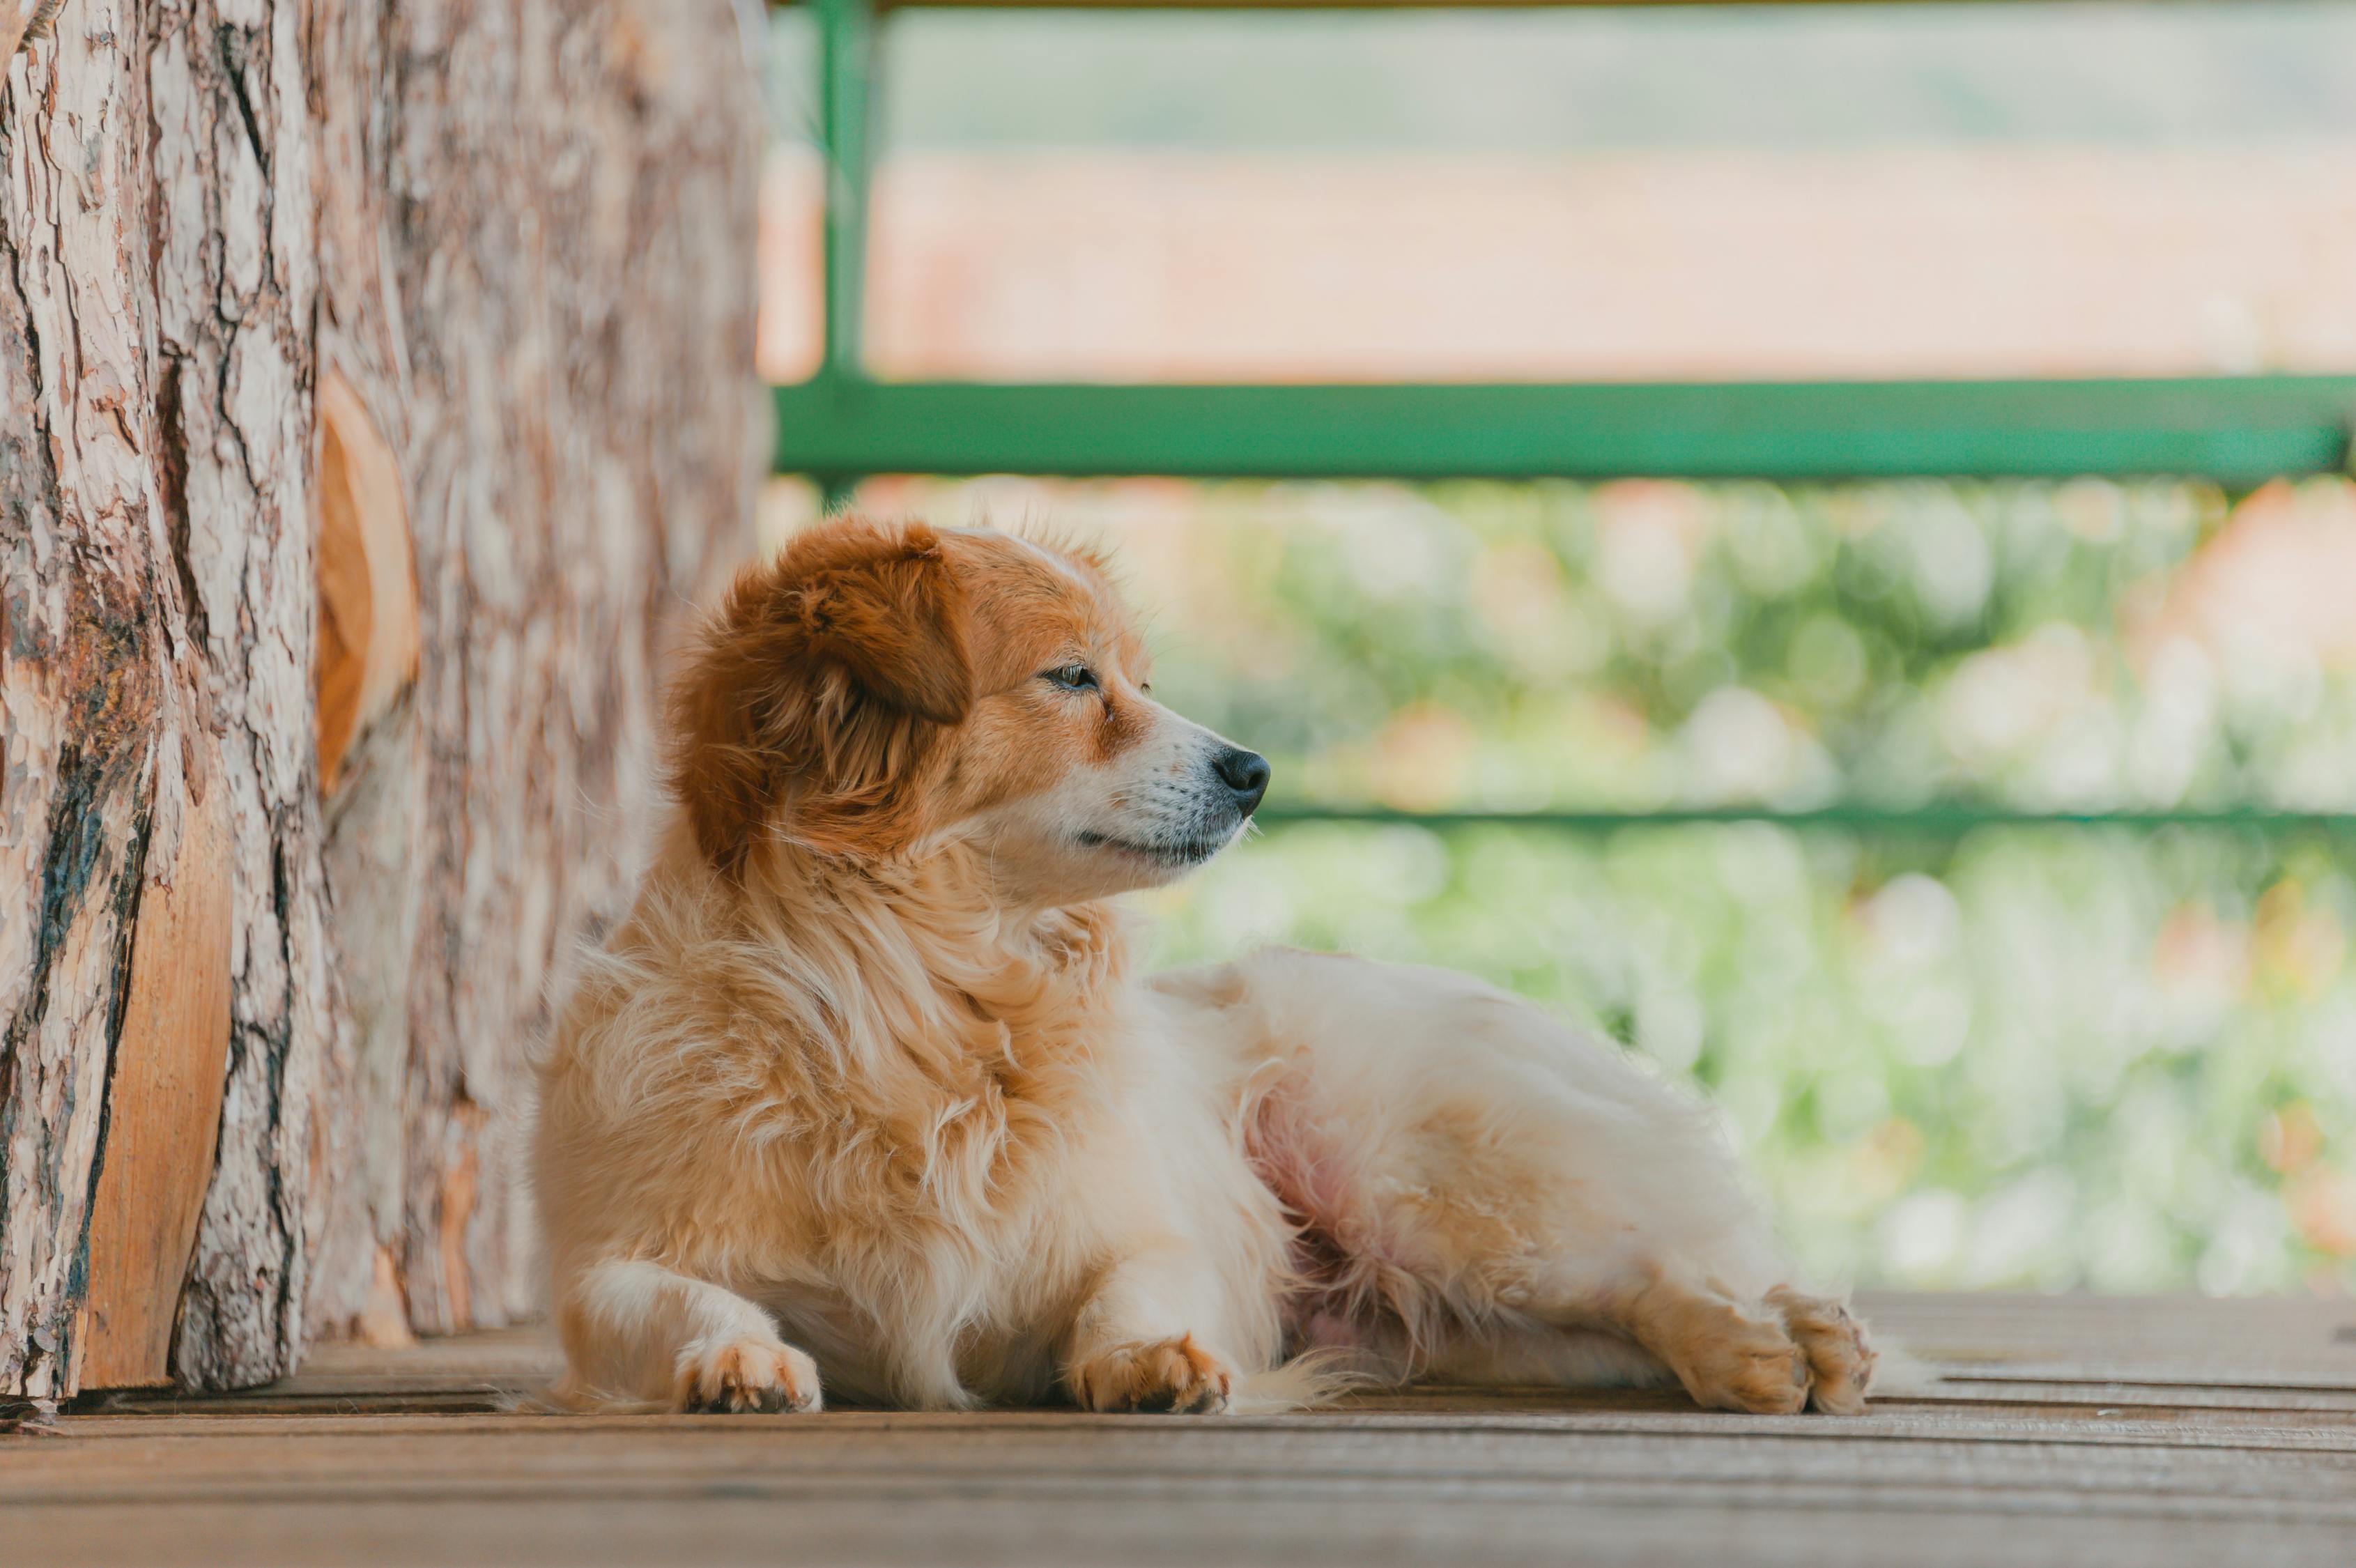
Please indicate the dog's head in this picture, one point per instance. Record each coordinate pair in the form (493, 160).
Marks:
(874, 688)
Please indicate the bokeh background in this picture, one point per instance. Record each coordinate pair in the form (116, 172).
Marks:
(1959, 1052)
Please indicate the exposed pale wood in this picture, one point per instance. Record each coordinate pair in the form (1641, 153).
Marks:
(22, 21)
(367, 582)
(163, 1097)
(408, 1456)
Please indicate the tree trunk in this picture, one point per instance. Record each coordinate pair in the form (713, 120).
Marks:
(375, 387)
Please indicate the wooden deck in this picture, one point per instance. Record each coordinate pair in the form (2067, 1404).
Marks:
(2069, 1431)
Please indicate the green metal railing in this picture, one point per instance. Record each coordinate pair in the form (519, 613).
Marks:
(844, 424)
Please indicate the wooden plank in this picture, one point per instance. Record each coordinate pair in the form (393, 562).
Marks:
(2148, 1344)
(1954, 1391)
(983, 1531)
(2286, 1354)
(351, 1461)
(1911, 1422)
(2286, 1342)
(2021, 1455)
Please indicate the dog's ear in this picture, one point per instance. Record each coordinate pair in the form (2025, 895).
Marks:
(820, 691)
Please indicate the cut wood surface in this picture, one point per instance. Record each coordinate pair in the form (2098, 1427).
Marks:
(367, 650)
(2039, 1430)
(164, 1099)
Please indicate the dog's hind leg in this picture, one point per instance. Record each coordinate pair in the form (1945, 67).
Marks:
(638, 1333)
(1472, 1170)
(1776, 1354)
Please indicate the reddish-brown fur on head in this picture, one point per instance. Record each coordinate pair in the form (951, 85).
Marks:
(823, 687)
(877, 688)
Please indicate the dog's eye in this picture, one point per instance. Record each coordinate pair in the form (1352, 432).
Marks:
(1072, 678)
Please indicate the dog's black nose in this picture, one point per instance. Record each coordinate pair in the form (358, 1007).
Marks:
(1245, 772)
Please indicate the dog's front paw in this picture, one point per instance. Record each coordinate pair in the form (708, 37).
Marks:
(1733, 1359)
(1840, 1358)
(1166, 1375)
(736, 1375)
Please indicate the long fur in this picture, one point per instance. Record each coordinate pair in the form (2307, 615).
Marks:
(865, 1093)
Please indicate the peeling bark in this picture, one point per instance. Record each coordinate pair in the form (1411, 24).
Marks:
(235, 285)
(91, 641)
(520, 230)
(538, 277)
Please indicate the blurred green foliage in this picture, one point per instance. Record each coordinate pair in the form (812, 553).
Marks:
(2038, 1057)
(2033, 1057)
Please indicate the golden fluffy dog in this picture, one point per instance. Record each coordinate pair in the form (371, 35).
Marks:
(864, 1093)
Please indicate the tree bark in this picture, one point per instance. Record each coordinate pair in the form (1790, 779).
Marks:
(375, 388)
(538, 277)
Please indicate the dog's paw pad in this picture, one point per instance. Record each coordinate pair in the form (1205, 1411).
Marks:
(1169, 1376)
(741, 1376)
(1840, 1357)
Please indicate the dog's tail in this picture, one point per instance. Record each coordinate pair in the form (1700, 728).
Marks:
(1310, 1381)
(1899, 1374)
(569, 1396)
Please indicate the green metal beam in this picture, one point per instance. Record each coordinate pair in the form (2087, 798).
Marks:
(846, 89)
(1388, 4)
(1932, 821)
(847, 73)
(2239, 432)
